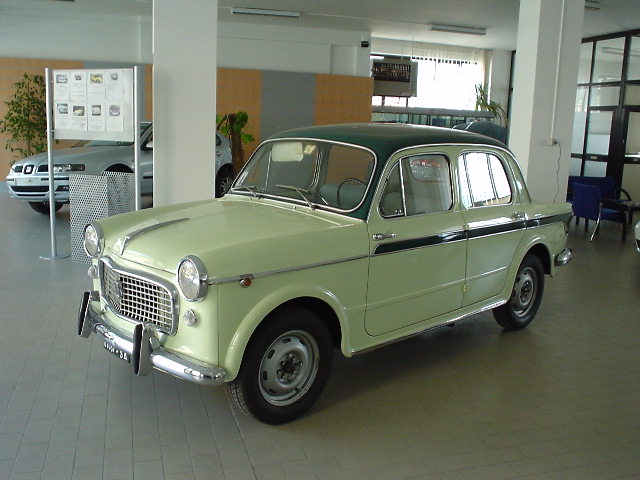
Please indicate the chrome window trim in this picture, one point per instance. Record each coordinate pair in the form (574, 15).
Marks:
(173, 293)
(319, 206)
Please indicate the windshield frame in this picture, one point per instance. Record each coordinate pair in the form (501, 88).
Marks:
(299, 201)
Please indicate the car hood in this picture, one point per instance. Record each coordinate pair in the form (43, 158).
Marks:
(79, 155)
(234, 236)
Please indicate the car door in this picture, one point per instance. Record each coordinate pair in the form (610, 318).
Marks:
(417, 245)
(494, 221)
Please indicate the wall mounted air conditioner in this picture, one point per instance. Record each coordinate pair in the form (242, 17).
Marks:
(396, 77)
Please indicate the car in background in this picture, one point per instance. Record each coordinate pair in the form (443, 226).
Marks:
(28, 178)
(336, 236)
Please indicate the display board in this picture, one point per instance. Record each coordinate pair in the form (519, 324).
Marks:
(94, 104)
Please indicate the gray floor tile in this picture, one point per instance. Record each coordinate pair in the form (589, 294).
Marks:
(556, 401)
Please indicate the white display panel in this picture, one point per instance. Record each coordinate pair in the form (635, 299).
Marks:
(94, 104)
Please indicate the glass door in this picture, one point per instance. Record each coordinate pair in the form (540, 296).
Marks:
(631, 144)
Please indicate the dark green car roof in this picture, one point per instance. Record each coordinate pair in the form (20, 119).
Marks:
(385, 139)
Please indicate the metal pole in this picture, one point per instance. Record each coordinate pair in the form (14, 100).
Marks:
(136, 140)
(52, 200)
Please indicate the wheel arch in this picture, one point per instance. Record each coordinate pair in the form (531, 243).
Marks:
(323, 303)
(118, 167)
(542, 252)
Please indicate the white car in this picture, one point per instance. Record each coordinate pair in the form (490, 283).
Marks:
(28, 178)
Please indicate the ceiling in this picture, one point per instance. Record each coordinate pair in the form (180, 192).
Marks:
(404, 19)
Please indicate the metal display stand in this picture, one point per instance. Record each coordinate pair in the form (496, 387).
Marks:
(93, 197)
(71, 109)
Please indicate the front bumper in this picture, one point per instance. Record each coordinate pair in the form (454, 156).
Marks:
(144, 349)
(564, 257)
(35, 187)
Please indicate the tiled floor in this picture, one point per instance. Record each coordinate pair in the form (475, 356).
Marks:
(557, 401)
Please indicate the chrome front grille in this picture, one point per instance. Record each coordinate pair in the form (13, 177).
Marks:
(138, 299)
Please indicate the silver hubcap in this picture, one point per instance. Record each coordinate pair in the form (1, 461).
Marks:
(225, 184)
(524, 291)
(288, 368)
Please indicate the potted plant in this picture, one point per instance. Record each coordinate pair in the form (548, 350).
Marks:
(231, 125)
(25, 122)
(483, 102)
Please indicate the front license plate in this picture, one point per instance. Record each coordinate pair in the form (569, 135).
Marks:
(118, 353)
(27, 181)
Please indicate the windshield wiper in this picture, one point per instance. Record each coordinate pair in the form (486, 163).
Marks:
(248, 188)
(301, 192)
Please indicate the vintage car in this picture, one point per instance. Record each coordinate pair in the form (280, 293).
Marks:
(345, 236)
(28, 178)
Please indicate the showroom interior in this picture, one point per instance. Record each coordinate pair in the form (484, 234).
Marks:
(555, 401)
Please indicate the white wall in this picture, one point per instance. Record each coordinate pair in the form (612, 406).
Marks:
(498, 71)
(57, 32)
(292, 49)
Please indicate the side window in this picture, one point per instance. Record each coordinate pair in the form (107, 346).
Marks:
(423, 186)
(487, 179)
(427, 184)
(391, 204)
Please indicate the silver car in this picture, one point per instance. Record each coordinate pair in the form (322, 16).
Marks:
(28, 178)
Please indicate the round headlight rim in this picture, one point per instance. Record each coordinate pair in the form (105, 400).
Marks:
(100, 244)
(202, 276)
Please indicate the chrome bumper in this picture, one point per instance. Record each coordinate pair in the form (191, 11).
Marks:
(143, 353)
(563, 257)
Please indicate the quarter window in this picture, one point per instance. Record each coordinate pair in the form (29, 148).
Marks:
(483, 180)
(417, 185)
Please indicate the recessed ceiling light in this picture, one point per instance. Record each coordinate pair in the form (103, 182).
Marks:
(264, 11)
(458, 29)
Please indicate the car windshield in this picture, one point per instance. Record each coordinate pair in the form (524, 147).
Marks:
(319, 174)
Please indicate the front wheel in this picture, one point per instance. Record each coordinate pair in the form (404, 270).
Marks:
(525, 298)
(285, 367)
(224, 179)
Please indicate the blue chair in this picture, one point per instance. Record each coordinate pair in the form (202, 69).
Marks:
(589, 204)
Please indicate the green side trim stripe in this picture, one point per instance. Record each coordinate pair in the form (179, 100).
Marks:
(456, 236)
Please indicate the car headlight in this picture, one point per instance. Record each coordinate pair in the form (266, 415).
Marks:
(72, 167)
(93, 240)
(192, 278)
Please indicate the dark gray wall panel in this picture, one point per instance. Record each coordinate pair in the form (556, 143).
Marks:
(288, 101)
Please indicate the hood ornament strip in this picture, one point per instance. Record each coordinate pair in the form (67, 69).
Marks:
(144, 230)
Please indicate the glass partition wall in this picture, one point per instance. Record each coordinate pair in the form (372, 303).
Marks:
(606, 129)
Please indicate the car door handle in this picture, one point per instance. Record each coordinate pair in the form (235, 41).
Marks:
(518, 216)
(383, 236)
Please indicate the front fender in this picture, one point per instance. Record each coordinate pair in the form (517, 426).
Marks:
(232, 352)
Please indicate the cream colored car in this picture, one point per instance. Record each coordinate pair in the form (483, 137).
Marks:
(345, 236)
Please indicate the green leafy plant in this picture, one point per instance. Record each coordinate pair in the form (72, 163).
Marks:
(26, 119)
(231, 125)
(483, 102)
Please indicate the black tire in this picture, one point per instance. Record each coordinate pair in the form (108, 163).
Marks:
(525, 298)
(224, 179)
(43, 207)
(285, 367)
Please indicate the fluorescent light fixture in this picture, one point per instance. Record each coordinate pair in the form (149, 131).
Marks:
(458, 29)
(264, 11)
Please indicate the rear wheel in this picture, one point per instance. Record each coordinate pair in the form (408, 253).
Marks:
(525, 298)
(43, 207)
(285, 368)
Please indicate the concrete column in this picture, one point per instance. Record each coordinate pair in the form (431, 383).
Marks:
(544, 90)
(184, 100)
